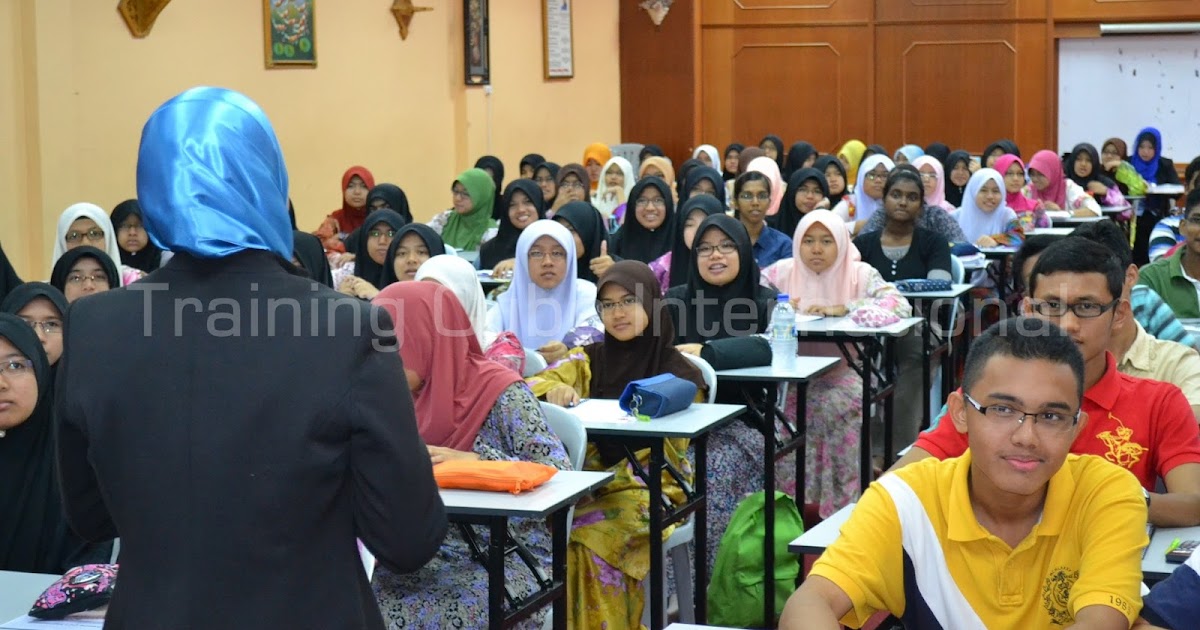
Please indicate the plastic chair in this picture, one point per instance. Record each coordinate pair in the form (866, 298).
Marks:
(629, 151)
(710, 375)
(534, 363)
(570, 430)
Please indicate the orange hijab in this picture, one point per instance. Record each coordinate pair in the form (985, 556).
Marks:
(601, 153)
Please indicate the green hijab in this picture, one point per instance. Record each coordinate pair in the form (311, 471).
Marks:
(465, 231)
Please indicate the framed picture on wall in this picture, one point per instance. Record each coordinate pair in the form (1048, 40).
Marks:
(289, 33)
(557, 42)
(477, 62)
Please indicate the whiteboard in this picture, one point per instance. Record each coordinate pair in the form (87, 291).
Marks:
(1116, 85)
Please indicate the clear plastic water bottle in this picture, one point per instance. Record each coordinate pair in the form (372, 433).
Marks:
(782, 334)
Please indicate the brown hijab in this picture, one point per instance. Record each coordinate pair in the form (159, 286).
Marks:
(747, 156)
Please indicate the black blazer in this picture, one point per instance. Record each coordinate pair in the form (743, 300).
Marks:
(238, 470)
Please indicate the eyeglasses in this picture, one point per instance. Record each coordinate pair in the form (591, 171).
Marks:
(94, 235)
(50, 326)
(571, 185)
(96, 278)
(748, 197)
(704, 250)
(1193, 219)
(544, 180)
(1083, 310)
(16, 367)
(657, 202)
(1048, 421)
(876, 177)
(459, 194)
(929, 177)
(378, 233)
(625, 303)
(557, 255)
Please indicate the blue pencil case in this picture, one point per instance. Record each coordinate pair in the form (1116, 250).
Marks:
(657, 396)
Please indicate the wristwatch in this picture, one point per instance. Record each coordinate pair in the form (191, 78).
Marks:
(1146, 494)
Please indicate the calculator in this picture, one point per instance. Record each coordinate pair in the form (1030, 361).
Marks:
(1180, 554)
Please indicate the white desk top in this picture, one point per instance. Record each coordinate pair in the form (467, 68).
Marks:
(1001, 251)
(1114, 209)
(19, 590)
(1154, 563)
(1172, 190)
(805, 368)
(692, 422)
(1077, 220)
(956, 290)
(815, 540)
(564, 488)
(689, 626)
(834, 326)
(1052, 231)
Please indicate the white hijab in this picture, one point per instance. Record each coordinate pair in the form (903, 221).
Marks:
(459, 276)
(538, 316)
(865, 206)
(605, 200)
(713, 154)
(96, 214)
(974, 221)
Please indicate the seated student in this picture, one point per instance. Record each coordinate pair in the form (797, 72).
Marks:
(958, 173)
(547, 306)
(44, 308)
(308, 255)
(573, 184)
(361, 276)
(494, 168)
(1050, 189)
(1142, 425)
(868, 192)
(1166, 237)
(1139, 353)
(674, 267)
(608, 553)
(933, 177)
(613, 192)
(1029, 212)
(529, 163)
(1114, 156)
(137, 250)
(801, 155)
(826, 276)
(357, 182)
(34, 536)
(389, 197)
(585, 223)
(900, 251)
(595, 156)
(467, 408)
(708, 155)
(772, 146)
(703, 180)
(807, 190)
(1083, 167)
(850, 156)
(933, 219)
(469, 223)
(754, 201)
(835, 177)
(652, 229)
(660, 167)
(907, 153)
(413, 244)
(985, 217)
(1150, 164)
(733, 155)
(1175, 278)
(546, 176)
(84, 271)
(681, 178)
(997, 149)
(521, 205)
(85, 224)
(1017, 533)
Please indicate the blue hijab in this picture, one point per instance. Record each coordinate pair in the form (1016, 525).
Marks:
(1147, 169)
(211, 178)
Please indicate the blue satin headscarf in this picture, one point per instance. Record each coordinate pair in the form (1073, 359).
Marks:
(211, 179)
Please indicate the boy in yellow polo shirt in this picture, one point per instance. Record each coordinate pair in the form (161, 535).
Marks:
(1016, 533)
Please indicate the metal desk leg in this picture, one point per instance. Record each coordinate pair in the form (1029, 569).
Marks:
(926, 379)
(654, 485)
(769, 505)
(558, 543)
(867, 356)
(700, 588)
(889, 410)
(802, 445)
(497, 536)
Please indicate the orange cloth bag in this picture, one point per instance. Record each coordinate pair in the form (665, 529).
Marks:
(514, 477)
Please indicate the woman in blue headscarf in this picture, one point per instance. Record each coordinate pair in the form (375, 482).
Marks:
(1148, 161)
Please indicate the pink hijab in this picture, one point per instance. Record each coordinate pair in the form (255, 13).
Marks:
(1048, 163)
(768, 167)
(1017, 201)
(845, 280)
(937, 196)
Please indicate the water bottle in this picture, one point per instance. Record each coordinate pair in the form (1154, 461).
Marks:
(782, 334)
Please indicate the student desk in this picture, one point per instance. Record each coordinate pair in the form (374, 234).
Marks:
(1074, 221)
(493, 509)
(1155, 567)
(816, 540)
(1052, 231)
(937, 339)
(873, 358)
(489, 283)
(693, 423)
(18, 592)
(1003, 254)
(804, 370)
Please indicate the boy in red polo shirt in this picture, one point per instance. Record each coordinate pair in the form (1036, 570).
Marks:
(1144, 426)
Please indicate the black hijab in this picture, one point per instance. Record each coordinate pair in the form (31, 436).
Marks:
(532, 160)
(364, 267)
(703, 311)
(394, 197)
(733, 146)
(698, 174)
(9, 279)
(681, 176)
(822, 165)
(588, 223)
(433, 241)
(150, 258)
(30, 291)
(1005, 145)
(34, 537)
(954, 193)
(1097, 174)
(308, 250)
(62, 268)
(875, 149)
(789, 214)
(796, 157)
(493, 164)
(681, 256)
(504, 245)
(938, 151)
(292, 214)
(780, 151)
(553, 169)
(634, 242)
(650, 150)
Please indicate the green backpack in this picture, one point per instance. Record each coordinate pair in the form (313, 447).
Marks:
(735, 595)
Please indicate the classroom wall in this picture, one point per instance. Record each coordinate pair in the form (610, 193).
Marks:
(76, 88)
(965, 72)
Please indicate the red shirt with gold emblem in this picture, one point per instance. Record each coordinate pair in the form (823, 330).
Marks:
(1144, 426)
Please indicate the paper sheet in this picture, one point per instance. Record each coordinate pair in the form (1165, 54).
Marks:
(593, 411)
(25, 622)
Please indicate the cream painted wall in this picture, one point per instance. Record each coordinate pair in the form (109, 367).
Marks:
(76, 88)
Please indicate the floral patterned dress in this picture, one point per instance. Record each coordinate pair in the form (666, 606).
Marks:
(451, 591)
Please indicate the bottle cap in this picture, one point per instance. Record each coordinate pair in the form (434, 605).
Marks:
(783, 297)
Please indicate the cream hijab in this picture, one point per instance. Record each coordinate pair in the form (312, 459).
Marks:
(606, 200)
(458, 275)
(96, 214)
